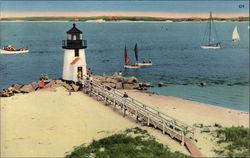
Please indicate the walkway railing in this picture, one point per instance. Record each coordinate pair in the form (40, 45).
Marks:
(140, 111)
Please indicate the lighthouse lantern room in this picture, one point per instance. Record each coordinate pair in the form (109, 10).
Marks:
(74, 66)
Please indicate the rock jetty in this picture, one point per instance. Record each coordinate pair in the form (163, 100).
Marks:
(114, 81)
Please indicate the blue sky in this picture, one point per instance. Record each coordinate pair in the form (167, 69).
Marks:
(125, 6)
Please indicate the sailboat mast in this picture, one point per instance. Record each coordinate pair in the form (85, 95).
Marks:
(210, 23)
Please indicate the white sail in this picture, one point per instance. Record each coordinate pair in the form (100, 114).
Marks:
(235, 34)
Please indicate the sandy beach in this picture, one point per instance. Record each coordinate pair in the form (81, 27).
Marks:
(49, 123)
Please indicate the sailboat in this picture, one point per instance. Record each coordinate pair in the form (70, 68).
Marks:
(127, 61)
(208, 34)
(235, 35)
(136, 58)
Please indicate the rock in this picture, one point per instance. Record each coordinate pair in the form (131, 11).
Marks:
(27, 88)
(115, 75)
(113, 85)
(146, 85)
(65, 85)
(75, 87)
(128, 86)
(47, 81)
(160, 84)
(125, 80)
(17, 86)
(51, 83)
(35, 85)
(119, 79)
(118, 85)
(132, 80)
(111, 80)
(4, 94)
(14, 90)
(60, 82)
(202, 84)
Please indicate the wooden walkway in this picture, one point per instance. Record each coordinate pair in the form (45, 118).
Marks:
(143, 113)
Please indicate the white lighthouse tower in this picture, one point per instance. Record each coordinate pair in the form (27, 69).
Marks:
(74, 66)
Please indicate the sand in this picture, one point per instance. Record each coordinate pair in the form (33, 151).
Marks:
(49, 123)
(191, 112)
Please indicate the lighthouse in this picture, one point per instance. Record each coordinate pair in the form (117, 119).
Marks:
(74, 66)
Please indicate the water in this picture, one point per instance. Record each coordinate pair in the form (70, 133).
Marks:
(174, 49)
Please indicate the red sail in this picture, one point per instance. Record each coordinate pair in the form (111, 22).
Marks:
(127, 60)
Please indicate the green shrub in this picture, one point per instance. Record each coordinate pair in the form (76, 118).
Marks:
(125, 146)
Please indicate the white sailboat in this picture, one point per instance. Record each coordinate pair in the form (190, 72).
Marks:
(210, 43)
(235, 35)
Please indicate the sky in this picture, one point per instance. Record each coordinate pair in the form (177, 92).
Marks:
(169, 9)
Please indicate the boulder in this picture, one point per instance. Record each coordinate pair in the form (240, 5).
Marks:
(118, 85)
(202, 84)
(75, 87)
(115, 75)
(132, 80)
(119, 79)
(143, 84)
(27, 88)
(111, 80)
(50, 84)
(14, 90)
(160, 84)
(125, 80)
(35, 85)
(65, 85)
(17, 86)
(60, 82)
(113, 85)
(47, 81)
(128, 86)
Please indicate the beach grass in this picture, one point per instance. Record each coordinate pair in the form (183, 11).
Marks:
(131, 143)
(235, 140)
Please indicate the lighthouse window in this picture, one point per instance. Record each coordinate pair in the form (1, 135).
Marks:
(69, 36)
(74, 37)
(80, 36)
(76, 52)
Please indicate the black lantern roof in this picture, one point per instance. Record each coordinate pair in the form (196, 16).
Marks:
(74, 30)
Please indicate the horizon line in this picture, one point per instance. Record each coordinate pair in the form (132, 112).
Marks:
(120, 14)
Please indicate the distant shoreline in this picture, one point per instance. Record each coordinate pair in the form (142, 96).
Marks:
(127, 21)
(119, 19)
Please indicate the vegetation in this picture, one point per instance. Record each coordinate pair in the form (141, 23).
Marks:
(44, 77)
(132, 143)
(117, 18)
(235, 140)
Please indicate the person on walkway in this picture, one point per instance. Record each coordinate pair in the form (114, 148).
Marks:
(88, 71)
(125, 97)
(41, 84)
(120, 73)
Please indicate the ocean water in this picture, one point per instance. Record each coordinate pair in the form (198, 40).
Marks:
(174, 49)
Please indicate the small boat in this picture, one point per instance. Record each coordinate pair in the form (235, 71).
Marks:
(12, 50)
(136, 58)
(127, 61)
(211, 44)
(235, 35)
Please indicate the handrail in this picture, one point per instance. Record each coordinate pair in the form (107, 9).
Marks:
(133, 103)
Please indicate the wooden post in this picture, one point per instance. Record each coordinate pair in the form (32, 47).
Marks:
(182, 138)
(123, 110)
(148, 121)
(163, 128)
